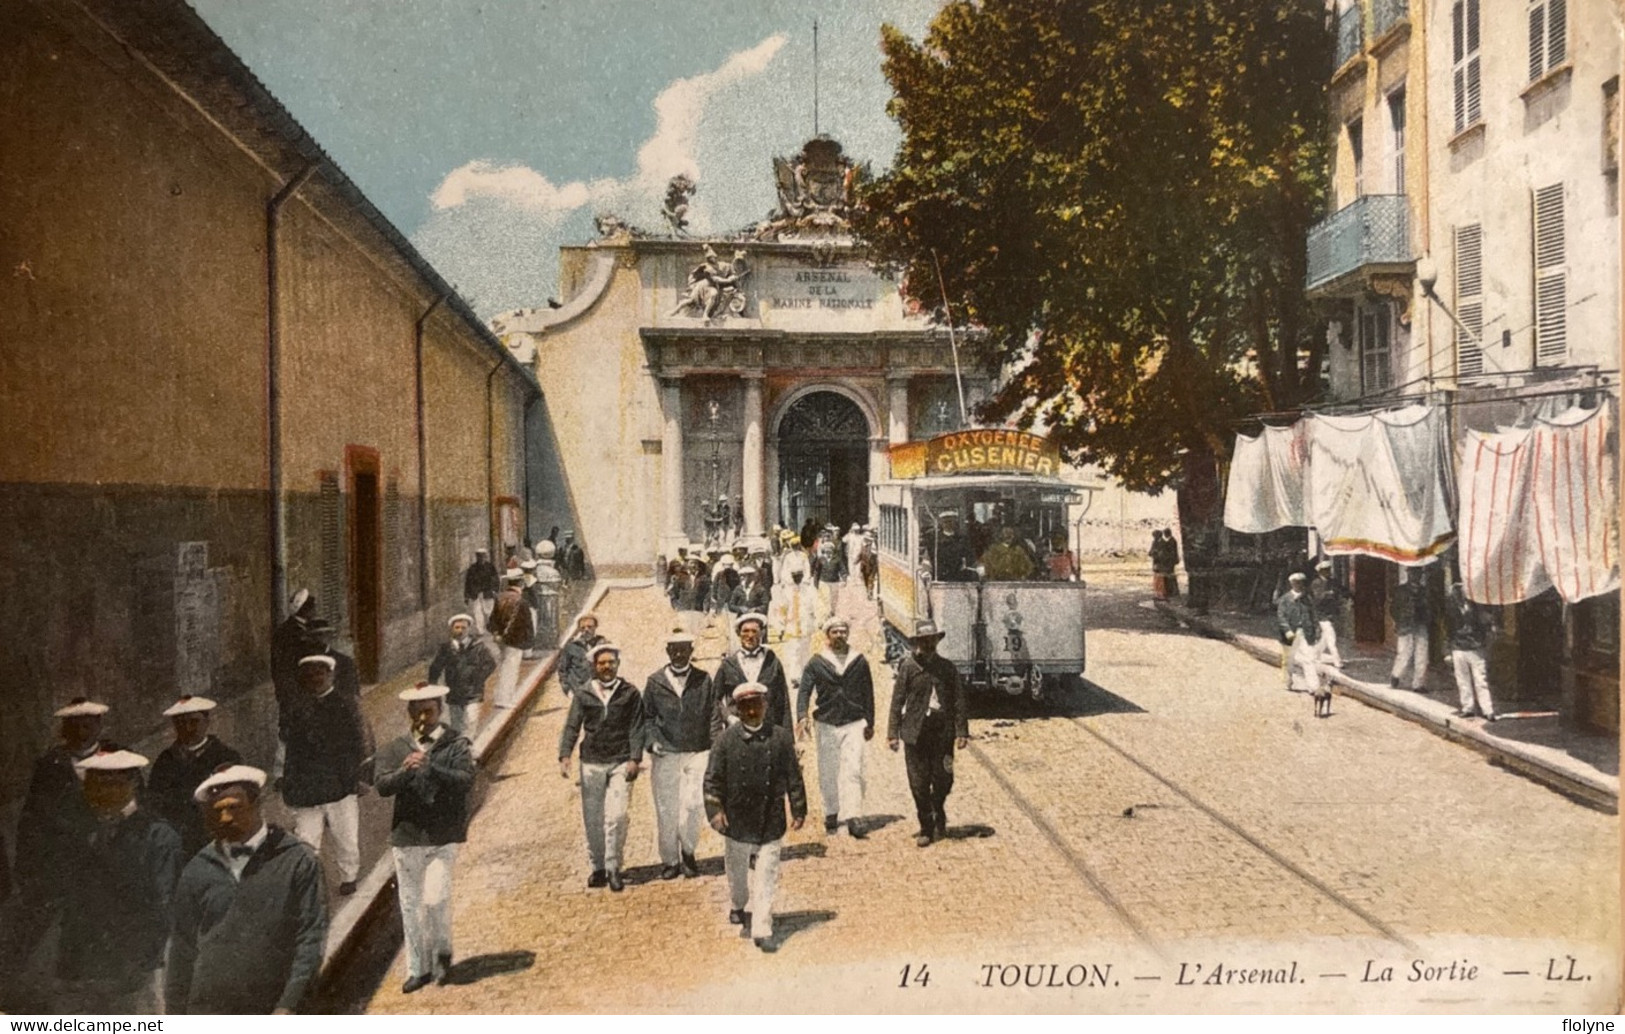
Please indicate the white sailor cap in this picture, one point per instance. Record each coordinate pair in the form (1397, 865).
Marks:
(423, 691)
(747, 569)
(513, 574)
(111, 761)
(298, 600)
(482, 551)
(1324, 565)
(679, 639)
(1297, 576)
(746, 690)
(189, 705)
(527, 565)
(836, 621)
(727, 561)
(229, 775)
(546, 550)
(592, 655)
(458, 617)
(319, 658)
(81, 707)
(760, 619)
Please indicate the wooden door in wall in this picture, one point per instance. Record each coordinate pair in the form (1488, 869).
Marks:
(366, 559)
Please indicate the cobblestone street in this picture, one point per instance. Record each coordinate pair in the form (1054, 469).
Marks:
(1179, 810)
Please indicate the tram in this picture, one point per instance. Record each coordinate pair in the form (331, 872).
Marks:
(974, 536)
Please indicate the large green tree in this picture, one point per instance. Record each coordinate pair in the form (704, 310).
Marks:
(1117, 192)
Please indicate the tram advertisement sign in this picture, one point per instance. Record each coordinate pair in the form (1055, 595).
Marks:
(983, 451)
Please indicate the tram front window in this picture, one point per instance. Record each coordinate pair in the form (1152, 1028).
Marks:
(1000, 536)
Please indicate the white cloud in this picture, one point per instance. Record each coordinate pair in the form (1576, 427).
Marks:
(517, 185)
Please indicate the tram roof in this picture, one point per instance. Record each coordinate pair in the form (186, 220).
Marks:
(942, 482)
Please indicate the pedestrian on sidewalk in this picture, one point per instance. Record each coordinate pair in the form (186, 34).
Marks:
(1299, 629)
(1412, 617)
(195, 755)
(250, 910)
(329, 750)
(752, 662)
(678, 707)
(292, 640)
(575, 671)
(607, 717)
(115, 920)
(798, 609)
(752, 774)
(1469, 630)
(1164, 554)
(429, 771)
(462, 665)
(838, 685)
(481, 584)
(1328, 599)
(513, 632)
(929, 719)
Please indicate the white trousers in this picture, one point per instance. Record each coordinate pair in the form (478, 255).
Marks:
(464, 718)
(423, 879)
(604, 796)
(1472, 681)
(480, 609)
(840, 768)
(753, 880)
(793, 655)
(507, 691)
(1411, 654)
(343, 817)
(1328, 644)
(679, 802)
(1304, 676)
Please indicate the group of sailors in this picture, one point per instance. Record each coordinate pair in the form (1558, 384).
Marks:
(704, 582)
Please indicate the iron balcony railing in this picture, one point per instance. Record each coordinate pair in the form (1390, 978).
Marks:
(1385, 14)
(1374, 230)
(1348, 35)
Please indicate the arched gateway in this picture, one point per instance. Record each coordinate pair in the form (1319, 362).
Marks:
(823, 444)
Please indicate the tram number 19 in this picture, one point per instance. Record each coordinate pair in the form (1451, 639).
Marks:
(920, 975)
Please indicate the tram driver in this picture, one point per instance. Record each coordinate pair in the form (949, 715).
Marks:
(948, 551)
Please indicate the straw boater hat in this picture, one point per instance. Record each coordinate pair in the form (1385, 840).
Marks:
(81, 707)
(592, 655)
(745, 690)
(189, 705)
(423, 691)
(111, 761)
(760, 619)
(927, 630)
(229, 775)
(678, 639)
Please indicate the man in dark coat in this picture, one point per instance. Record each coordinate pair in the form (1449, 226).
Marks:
(346, 673)
(1299, 629)
(929, 719)
(1469, 628)
(678, 708)
(329, 746)
(429, 771)
(838, 685)
(250, 910)
(752, 662)
(514, 632)
(950, 553)
(752, 773)
(290, 641)
(115, 920)
(751, 596)
(1412, 620)
(462, 664)
(55, 826)
(480, 587)
(574, 669)
(572, 560)
(193, 757)
(607, 716)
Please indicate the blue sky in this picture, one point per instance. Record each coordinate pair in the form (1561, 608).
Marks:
(491, 131)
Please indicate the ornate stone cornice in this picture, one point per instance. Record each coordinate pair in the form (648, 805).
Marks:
(678, 351)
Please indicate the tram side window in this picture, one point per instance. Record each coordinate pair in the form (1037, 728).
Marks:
(893, 530)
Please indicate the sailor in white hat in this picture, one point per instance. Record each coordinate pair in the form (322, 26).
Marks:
(798, 608)
(429, 772)
(1328, 598)
(183, 765)
(290, 641)
(574, 669)
(513, 630)
(751, 595)
(606, 715)
(481, 583)
(462, 664)
(256, 887)
(115, 918)
(328, 746)
(751, 776)
(839, 687)
(679, 707)
(753, 662)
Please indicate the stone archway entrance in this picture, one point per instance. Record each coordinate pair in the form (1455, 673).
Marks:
(823, 447)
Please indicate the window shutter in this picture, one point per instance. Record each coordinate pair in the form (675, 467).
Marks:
(1557, 24)
(1458, 36)
(1551, 277)
(1469, 299)
(1472, 26)
(1537, 41)
(329, 503)
(1474, 111)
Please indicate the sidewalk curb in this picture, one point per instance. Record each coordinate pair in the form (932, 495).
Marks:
(1595, 789)
(375, 889)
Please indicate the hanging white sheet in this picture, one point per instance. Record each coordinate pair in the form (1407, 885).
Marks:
(1265, 488)
(1379, 484)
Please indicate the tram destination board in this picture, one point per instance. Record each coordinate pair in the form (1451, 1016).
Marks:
(986, 451)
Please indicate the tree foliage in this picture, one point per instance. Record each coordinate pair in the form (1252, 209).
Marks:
(1118, 193)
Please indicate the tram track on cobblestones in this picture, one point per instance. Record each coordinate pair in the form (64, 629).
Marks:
(1081, 867)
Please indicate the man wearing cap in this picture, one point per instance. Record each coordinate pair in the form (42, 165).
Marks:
(929, 719)
(1468, 629)
(678, 707)
(514, 632)
(250, 910)
(346, 673)
(195, 754)
(462, 664)
(1327, 597)
(752, 662)
(54, 826)
(575, 671)
(751, 774)
(607, 717)
(838, 685)
(1299, 628)
(429, 771)
(949, 552)
(1413, 621)
(116, 919)
(329, 747)
(290, 641)
(794, 558)
(852, 548)
(480, 587)
(572, 559)
(751, 595)
(797, 611)
(544, 595)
